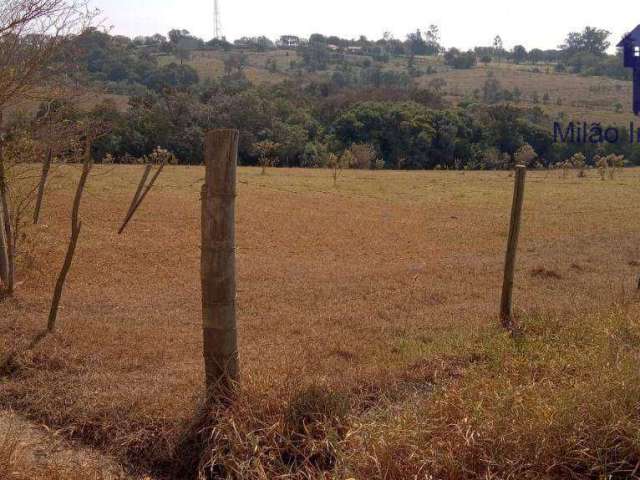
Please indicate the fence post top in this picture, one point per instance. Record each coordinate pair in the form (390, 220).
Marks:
(222, 132)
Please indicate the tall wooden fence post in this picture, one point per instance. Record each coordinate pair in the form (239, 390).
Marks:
(218, 262)
(506, 308)
(7, 243)
(46, 166)
(4, 253)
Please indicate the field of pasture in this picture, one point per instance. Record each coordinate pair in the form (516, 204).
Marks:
(368, 329)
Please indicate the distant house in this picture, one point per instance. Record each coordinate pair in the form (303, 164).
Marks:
(630, 45)
(288, 41)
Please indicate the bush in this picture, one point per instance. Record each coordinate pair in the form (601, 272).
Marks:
(259, 438)
(315, 156)
(364, 156)
(459, 60)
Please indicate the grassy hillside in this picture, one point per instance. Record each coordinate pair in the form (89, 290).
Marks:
(85, 100)
(367, 318)
(582, 98)
(210, 64)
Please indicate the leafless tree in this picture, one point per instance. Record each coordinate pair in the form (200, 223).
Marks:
(76, 226)
(159, 157)
(46, 165)
(85, 135)
(32, 32)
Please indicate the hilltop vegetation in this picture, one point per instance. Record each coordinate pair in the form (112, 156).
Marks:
(413, 103)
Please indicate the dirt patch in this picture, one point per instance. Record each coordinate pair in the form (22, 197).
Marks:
(541, 272)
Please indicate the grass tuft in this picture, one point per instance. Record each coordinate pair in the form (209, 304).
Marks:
(561, 402)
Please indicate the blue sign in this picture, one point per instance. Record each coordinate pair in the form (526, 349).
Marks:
(631, 48)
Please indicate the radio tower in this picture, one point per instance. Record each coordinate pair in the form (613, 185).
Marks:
(217, 30)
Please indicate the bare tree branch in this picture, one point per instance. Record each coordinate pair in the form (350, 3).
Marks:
(76, 227)
(32, 32)
(135, 207)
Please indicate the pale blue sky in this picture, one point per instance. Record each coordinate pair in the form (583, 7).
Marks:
(543, 23)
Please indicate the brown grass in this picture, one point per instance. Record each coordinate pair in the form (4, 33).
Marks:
(210, 65)
(366, 318)
(28, 453)
(588, 99)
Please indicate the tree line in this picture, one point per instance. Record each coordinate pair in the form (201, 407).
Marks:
(362, 103)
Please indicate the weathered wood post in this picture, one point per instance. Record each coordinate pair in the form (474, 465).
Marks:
(506, 308)
(76, 227)
(218, 261)
(4, 253)
(4, 243)
(7, 244)
(46, 166)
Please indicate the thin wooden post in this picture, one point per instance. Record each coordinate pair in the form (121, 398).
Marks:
(7, 243)
(76, 227)
(136, 197)
(218, 262)
(4, 253)
(46, 166)
(4, 243)
(141, 198)
(506, 307)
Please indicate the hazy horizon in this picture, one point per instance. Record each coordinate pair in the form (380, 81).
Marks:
(544, 26)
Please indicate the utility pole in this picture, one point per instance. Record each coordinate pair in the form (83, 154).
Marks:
(217, 29)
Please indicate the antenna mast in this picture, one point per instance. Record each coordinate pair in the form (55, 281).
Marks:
(217, 30)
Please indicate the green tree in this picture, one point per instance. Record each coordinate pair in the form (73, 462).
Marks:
(315, 56)
(460, 60)
(315, 155)
(498, 47)
(396, 130)
(492, 90)
(433, 40)
(267, 154)
(235, 63)
(176, 35)
(591, 40)
(415, 44)
(536, 55)
(519, 54)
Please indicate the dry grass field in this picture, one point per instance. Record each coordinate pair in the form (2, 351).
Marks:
(367, 322)
(210, 65)
(590, 99)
